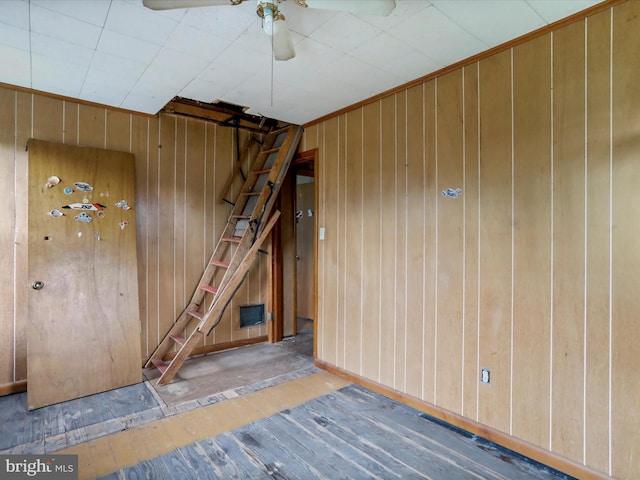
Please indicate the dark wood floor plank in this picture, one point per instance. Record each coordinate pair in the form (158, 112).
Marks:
(443, 443)
(274, 454)
(339, 435)
(307, 445)
(199, 462)
(465, 449)
(226, 448)
(154, 469)
(387, 445)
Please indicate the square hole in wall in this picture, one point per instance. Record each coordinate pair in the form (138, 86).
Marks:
(251, 315)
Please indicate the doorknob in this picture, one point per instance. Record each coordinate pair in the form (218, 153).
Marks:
(37, 285)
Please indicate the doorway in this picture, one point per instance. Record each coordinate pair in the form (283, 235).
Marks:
(295, 247)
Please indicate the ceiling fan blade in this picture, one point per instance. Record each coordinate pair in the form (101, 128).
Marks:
(282, 43)
(171, 4)
(372, 7)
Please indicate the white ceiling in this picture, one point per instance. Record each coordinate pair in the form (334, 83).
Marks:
(118, 53)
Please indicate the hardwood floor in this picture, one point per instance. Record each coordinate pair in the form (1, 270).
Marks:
(264, 421)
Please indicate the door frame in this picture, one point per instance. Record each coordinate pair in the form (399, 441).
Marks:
(284, 249)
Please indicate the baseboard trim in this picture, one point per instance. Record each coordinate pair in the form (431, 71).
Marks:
(15, 387)
(522, 447)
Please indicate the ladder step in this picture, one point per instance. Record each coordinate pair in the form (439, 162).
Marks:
(218, 263)
(195, 314)
(250, 193)
(177, 338)
(209, 288)
(270, 150)
(248, 217)
(231, 239)
(260, 172)
(159, 364)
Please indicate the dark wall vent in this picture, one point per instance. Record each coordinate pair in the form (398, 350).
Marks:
(251, 315)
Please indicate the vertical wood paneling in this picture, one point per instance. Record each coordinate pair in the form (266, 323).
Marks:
(173, 185)
(400, 275)
(70, 128)
(625, 231)
(47, 119)
(353, 244)
(522, 254)
(140, 141)
(153, 236)
(23, 131)
(471, 214)
(372, 285)
(210, 199)
(597, 254)
(430, 214)
(415, 241)
(450, 242)
(118, 132)
(532, 240)
(166, 223)
(568, 241)
(388, 239)
(224, 161)
(183, 281)
(91, 126)
(330, 203)
(495, 238)
(342, 342)
(7, 229)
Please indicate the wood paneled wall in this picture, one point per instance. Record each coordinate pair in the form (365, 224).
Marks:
(181, 166)
(532, 272)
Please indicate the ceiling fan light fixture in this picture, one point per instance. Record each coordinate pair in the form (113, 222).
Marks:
(282, 42)
(267, 21)
(268, 11)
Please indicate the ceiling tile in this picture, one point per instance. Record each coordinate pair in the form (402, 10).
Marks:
(438, 37)
(118, 66)
(305, 21)
(56, 25)
(139, 22)
(14, 37)
(553, 10)
(226, 21)
(15, 12)
(16, 66)
(88, 11)
(55, 49)
(127, 47)
(344, 32)
(57, 76)
(196, 42)
(507, 19)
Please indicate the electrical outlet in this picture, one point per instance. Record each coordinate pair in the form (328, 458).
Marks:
(321, 233)
(485, 376)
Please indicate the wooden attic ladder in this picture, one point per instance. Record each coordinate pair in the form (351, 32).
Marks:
(237, 248)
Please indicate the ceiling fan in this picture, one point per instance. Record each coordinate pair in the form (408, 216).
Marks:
(273, 21)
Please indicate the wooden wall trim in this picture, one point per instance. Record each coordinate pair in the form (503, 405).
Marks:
(15, 387)
(475, 58)
(522, 447)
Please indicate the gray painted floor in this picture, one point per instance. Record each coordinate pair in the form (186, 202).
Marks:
(350, 434)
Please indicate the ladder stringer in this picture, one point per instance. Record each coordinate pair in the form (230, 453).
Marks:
(212, 317)
(216, 310)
